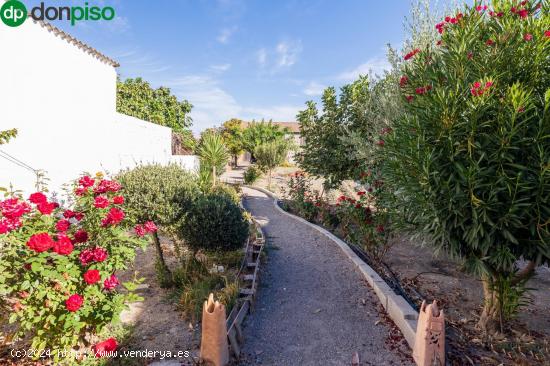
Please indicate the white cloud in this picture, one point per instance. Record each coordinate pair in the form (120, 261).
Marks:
(314, 89)
(374, 66)
(287, 52)
(212, 105)
(279, 113)
(225, 34)
(220, 68)
(261, 56)
(282, 56)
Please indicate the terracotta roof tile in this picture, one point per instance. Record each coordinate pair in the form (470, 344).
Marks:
(75, 42)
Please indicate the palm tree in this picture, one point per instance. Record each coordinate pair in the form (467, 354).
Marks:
(213, 153)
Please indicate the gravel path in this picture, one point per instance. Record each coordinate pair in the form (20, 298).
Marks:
(313, 307)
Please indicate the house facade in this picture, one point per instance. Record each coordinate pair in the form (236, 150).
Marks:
(60, 94)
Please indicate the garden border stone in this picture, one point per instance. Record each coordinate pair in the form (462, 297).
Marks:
(397, 308)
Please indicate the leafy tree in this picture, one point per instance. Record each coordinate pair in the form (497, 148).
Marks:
(325, 154)
(232, 133)
(213, 154)
(6, 136)
(258, 133)
(270, 155)
(136, 98)
(469, 159)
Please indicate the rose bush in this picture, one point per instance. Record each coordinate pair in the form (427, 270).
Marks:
(364, 220)
(301, 199)
(58, 280)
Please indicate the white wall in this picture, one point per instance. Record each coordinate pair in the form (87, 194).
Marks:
(63, 103)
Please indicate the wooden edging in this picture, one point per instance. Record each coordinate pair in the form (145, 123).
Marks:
(248, 276)
(397, 308)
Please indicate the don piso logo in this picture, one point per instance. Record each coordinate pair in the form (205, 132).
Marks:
(14, 13)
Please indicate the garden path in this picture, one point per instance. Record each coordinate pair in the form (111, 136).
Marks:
(313, 307)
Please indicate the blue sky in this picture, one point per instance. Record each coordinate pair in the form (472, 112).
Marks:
(244, 58)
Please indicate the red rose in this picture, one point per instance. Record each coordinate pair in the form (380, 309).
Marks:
(38, 197)
(528, 37)
(86, 256)
(68, 214)
(92, 276)
(13, 209)
(79, 216)
(47, 208)
(403, 81)
(62, 225)
(110, 283)
(114, 216)
(80, 236)
(81, 191)
(361, 193)
(380, 228)
(4, 226)
(86, 181)
(74, 302)
(100, 254)
(107, 186)
(118, 200)
(105, 348)
(150, 226)
(7, 225)
(140, 230)
(63, 245)
(547, 34)
(40, 242)
(101, 202)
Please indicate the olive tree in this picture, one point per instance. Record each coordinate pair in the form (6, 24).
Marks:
(270, 155)
(163, 194)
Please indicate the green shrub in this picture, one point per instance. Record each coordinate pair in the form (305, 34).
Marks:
(214, 222)
(228, 191)
(158, 193)
(252, 174)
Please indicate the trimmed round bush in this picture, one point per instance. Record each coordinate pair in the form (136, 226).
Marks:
(159, 193)
(228, 191)
(214, 222)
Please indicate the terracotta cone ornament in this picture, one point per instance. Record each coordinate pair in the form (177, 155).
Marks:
(214, 346)
(429, 345)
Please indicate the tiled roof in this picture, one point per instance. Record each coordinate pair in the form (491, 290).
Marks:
(75, 42)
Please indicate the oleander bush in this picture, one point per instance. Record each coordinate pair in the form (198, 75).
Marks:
(214, 222)
(469, 158)
(58, 266)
